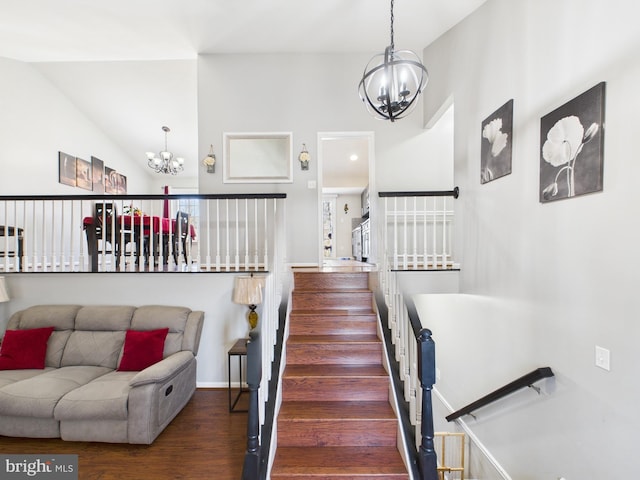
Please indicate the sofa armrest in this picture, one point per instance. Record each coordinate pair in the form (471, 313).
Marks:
(157, 395)
(163, 370)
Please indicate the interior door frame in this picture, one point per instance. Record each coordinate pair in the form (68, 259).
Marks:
(370, 136)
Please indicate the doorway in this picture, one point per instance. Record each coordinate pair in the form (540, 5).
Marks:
(345, 180)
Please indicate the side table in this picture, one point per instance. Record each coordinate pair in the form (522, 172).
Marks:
(239, 350)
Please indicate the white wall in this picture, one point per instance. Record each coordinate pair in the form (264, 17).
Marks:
(543, 284)
(37, 121)
(129, 101)
(307, 94)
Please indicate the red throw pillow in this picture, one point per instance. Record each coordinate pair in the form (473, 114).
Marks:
(22, 349)
(142, 348)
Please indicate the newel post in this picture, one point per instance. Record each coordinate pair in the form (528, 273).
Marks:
(427, 459)
(251, 467)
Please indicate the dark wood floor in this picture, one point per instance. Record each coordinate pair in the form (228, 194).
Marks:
(204, 441)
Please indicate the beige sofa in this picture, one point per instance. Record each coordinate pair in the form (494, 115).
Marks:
(81, 395)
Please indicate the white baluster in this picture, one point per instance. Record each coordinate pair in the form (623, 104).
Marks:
(404, 237)
(237, 243)
(246, 234)
(6, 237)
(424, 234)
(256, 257)
(208, 236)
(25, 232)
(444, 232)
(415, 233)
(217, 235)
(434, 229)
(266, 231)
(395, 233)
(228, 257)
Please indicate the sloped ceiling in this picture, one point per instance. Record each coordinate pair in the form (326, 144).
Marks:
(130, 66)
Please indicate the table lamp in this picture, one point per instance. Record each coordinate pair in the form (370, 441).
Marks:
(248, 291)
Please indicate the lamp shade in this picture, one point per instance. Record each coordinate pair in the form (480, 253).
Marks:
(247, 290)
(4, 295)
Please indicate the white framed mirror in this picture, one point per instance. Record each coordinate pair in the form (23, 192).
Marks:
(257, 157)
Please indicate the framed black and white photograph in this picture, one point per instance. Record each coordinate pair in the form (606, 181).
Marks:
(110, 180)
(97, 174)
(83, 174)
(66, 169)
(121, 182)
(572, 147)
(497, 135)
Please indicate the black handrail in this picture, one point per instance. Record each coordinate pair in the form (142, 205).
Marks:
(525, 381)
(423, 463)
(197, 196)
(428, 193)
(394, 371)
(254, 374)
(256, 458)
(266, 432)
(427, 457)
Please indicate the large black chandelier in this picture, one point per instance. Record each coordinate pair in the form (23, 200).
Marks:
(392, 82)
(164, 162)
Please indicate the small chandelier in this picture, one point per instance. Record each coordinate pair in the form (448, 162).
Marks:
(164, 161)
(392, 82)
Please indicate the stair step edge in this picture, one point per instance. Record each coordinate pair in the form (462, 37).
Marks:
(373, 370)
(300, 410)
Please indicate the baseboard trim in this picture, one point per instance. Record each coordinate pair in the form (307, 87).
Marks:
(216, 385)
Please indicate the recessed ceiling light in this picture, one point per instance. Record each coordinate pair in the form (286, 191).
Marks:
(353, 157)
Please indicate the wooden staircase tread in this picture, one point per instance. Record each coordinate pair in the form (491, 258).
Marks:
(341, 289)
(335, 421)
(351, 371)
(334, 312)
(313, 339)
(333, 410)
(345, 460)
(346, 268)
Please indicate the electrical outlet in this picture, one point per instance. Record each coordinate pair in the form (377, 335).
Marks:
(437, 373)
(603, 358)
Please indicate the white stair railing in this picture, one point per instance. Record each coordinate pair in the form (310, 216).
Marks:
(417, 229)
(416, 233)
(134, 233)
